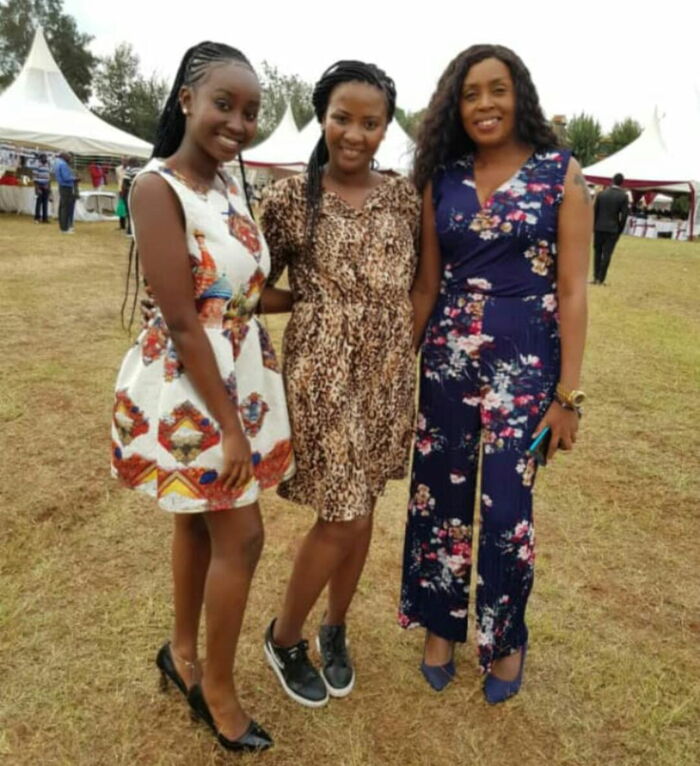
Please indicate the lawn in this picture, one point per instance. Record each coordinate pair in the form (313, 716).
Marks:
(613, 673)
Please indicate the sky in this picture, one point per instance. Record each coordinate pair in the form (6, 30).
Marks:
(609, 58)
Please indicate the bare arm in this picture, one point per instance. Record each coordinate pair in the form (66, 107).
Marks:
(275, 300)
(163, 251)
(427, 282)
(573, 246)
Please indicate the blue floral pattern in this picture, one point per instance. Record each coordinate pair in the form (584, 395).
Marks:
(490, 363)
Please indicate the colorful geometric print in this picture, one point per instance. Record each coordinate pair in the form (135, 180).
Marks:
(270, 469)
(203, 483)
(154, 341)
(128, 419)
(255, 286)
(235, 329)
(269, 357)
(186, 433)
(172, 367)
(231, 384)
(253, 410)
(245, 231)
(197, 484)
(135, 470)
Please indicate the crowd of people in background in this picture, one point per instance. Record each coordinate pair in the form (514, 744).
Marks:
(19, 168)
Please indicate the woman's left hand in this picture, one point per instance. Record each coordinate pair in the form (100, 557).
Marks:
(563, 423)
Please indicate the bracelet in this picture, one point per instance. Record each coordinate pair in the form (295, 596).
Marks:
(567, 406)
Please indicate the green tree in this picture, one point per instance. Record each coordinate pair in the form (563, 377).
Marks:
(127, 100)
(18, 22)
(277, 90)
(410, 121)
(622, 134)
(584, 136)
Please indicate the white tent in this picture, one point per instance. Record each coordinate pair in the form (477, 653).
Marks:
(40, 109)
(281, 148)
(664, 157)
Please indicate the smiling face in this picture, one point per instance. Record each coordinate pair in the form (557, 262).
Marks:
(222, 110)
(488, 104)
(354, 125)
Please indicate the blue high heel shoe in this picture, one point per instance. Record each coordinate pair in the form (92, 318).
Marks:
(439, 676)
(497, 690)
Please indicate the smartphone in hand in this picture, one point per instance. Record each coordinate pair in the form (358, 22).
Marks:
(540, 446)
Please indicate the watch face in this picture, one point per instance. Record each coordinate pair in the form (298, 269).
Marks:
(578, 398)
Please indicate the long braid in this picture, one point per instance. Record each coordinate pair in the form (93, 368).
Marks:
(338, 73)
(441, 136)
(171, 128)
(241, 165)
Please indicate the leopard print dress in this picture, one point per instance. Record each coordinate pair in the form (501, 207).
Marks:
(349, 365)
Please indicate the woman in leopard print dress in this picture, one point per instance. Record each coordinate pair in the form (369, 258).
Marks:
(349, 238)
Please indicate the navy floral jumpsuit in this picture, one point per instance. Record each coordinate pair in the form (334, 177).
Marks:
(490, 365)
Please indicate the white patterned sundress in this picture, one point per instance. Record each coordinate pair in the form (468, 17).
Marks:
(164, 441)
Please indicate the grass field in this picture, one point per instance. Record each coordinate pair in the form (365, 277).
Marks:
(613, 675)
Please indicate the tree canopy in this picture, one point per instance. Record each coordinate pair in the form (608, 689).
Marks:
(127, 99)
(18, 22)
(584, 135)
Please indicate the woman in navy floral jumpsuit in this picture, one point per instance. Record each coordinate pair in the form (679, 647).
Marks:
(511, 228)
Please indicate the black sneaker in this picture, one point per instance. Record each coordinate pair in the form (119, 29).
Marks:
(337, 670)
(299, 678)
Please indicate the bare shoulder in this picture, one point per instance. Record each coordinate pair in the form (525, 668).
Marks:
(154, 201)
(150, 187)
(575, 183)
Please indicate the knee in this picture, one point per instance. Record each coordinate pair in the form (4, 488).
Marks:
(251, 543)
(343, 533)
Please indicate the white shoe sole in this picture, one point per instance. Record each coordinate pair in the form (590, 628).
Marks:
(288, 691)
(336, 693)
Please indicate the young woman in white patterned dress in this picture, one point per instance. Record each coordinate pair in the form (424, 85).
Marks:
(200, 419)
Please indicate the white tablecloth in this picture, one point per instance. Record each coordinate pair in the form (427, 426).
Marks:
(652, 227)
(92, 205)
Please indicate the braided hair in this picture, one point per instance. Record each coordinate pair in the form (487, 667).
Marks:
(337, 74)
(171, 127)
(442, 138)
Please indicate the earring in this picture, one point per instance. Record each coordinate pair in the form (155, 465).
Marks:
(184, 111)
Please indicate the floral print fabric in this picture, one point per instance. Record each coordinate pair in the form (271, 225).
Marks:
(490, 364)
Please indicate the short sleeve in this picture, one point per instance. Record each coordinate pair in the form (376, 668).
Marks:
(410, 207)
(276, 219)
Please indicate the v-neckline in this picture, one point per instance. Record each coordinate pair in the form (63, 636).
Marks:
(370, 194)
(486, 204)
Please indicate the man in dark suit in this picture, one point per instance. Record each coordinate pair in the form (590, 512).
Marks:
(611, 208)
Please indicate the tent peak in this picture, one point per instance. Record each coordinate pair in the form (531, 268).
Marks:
(40, 56)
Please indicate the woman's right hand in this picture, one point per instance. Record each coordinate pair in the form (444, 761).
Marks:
(238, 466)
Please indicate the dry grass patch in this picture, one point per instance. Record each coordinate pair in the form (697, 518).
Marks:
(613, 674)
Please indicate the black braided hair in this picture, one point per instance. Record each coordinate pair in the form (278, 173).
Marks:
(337, 74)
(171, 129)
(441, 136)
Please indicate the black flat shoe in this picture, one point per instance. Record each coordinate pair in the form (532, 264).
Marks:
(253, 739)
(168, 671)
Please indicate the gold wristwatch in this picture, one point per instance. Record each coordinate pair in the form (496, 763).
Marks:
(572, 400)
